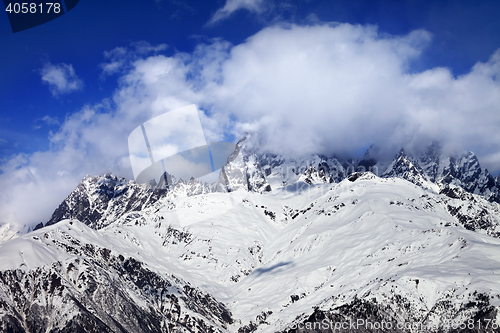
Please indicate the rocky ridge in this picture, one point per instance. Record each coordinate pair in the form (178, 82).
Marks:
(276, 245)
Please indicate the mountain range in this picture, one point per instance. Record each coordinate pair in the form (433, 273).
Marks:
(307, 244)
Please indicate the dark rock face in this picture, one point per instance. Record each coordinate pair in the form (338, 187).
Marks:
(474, 213)
(430, 161)
(368, 316)
(367, 164)
(98, 201)
(369, 160)
(433, 167)
(104, 293)
(38, 226)
(250, 170)
(244, 170)
(352, 177)
(102, 200)
(403, 167)
(314, 169)
(466, 172)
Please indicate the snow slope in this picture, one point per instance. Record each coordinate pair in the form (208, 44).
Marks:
(365, 247)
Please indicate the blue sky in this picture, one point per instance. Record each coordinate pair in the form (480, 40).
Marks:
(464, 32)
(54, 80)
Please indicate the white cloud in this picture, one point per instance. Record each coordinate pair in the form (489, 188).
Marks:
(120, 58)
(143, 47)
(297, 89)
(50, 120)
(112, 67)
(231, 6)
(61, 78)
(3, 141)
(88, 142)
(322, 88)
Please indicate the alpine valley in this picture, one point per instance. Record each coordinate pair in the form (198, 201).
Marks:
(312, 244)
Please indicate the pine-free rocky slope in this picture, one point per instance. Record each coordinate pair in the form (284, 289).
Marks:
(277, 245)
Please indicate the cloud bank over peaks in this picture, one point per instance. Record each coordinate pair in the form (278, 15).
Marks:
(336, 88)
(323, 88)
(320, 88)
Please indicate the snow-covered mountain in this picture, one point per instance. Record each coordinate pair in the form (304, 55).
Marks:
(277, 245)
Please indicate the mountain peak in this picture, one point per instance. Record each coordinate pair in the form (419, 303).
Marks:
(365, 247)
(370, 158)
(401, 153)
